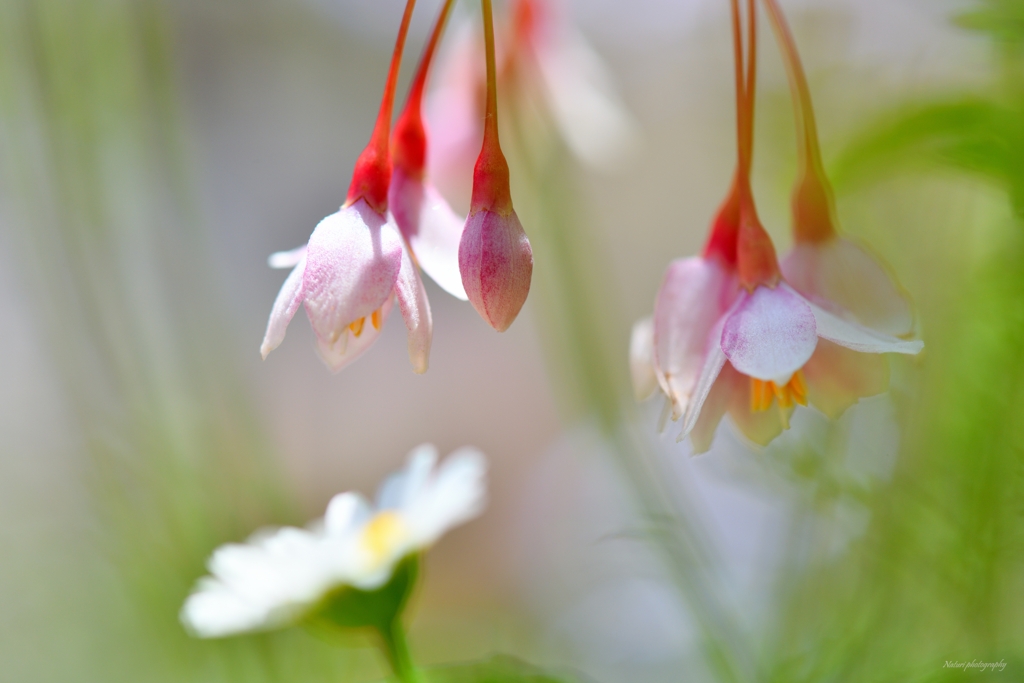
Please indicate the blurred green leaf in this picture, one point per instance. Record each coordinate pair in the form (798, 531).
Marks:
(498, 669)
(1004, 19)
(973, 134)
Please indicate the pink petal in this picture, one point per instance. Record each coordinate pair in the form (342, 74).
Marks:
(285, 305)
(431, 228)
(837, 377)
(454, 114)
(347, 346)
(843, 277)
(590, 115)
(857, 337)
(693, 295)
(287, 259)
(770, 334)
(351, 266)
(412, 299)
(641, 359)
(496, 262)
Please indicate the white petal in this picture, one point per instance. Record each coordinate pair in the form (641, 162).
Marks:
(267, 582)
(412, 299)
(401, 486)
(641, 359)
(714, 408)
(285, 305)
(844, 277)
(348, 347)
(770, 334)
(590, 115)
(215, 611)
(860, 338)
(713, 363)
(287, 259)
(344, 513)
(456, 494)
(432, 229)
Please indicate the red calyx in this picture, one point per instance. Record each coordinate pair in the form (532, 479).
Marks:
(813, 209)
(725, 228)
(755, 253)
(409, 142)
(371, 178)
(491, 189)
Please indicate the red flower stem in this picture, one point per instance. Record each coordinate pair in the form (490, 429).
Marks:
(491, 112)
(755, 253)
(813, 202)
(372, 174)
(490, 176)
(751, 79)
(725, 227)
(420, 79)
(807, 128)
(741, 97)
(409, 146)
(746, 85)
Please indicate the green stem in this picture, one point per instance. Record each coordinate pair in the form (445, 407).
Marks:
(397, 650)
(580, 310)
(491, 113)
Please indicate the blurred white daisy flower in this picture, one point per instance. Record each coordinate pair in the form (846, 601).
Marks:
(282, 576)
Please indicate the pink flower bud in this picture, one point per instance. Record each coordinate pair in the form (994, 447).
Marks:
(496, 262)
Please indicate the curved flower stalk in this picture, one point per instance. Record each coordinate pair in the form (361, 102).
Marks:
(542, 60)
(354, 568)
(495, 257)
(729, 333)
(427, 222)
(356, 264)
(825, 266)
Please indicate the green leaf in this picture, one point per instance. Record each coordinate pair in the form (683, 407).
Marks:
(353, 608)
(972, 134)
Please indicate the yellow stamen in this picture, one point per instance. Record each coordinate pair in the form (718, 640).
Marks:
(798, 388)
(357, 326)
(760, 394)
(782, 394)
(763, 392)
(382, 533)
(375, 319)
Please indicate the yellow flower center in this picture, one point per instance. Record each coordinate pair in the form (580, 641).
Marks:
(382, 533)
(762, 393)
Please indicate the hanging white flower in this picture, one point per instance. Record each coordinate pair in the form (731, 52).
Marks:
(281, 576)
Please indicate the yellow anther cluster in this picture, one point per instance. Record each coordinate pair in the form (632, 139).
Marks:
(762, 393)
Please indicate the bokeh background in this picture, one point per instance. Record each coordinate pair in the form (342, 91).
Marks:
(154, 152)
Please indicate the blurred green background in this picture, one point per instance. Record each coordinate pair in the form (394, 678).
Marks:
(154, 152)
